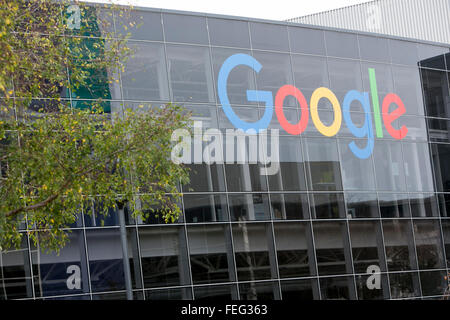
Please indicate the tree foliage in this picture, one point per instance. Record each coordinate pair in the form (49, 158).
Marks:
(56, 159)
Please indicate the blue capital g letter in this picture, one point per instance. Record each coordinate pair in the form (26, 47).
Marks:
(252, 95)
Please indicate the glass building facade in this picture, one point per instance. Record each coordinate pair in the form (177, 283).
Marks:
(312, 231)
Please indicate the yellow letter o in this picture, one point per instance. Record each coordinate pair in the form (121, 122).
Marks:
(318, 94)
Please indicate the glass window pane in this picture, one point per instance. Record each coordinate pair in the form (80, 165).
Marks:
(432, 56)
(205, 178)
(340, 44)
(262, 291)
(444, 205)
(446, 231)
(310, 73)
(229, 33)
(299, 290)
(251, 249)
(418, 167)
(190, 73)
(209, 254)
(345, 75)
(394, 205)
(289, 206)
(291, 175)
(389, 168)
(163, 256)
(407, 86)
(439, 130)
(240, 79)
(374, 48)
(249, 207)
(336, 288)
(383, 74)
(434, 283)
(357, 174)
(327, 206)
(294, 250)
(169, 294)
(300, 36)
(184, 28)
(329, 239)
(399, 243)
(404, 285)
(269, 36)
(205, 208)
(366, 293)
(226, 292)
(435, 90)
(323, 169)
(362, 205)
(429, 245)
(423, 205)
(441, 158)
(404, 52)
(246, 178)
(105, 260)
(367, 245)
(142, 25)
(417, 128)
(145, 75)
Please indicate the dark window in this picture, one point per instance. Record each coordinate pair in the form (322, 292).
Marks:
(423, 205)
(299, 290)
(436, 93)
(205, 208)
(399, 243)
(434, 283)
(432, 56)
(429, 245)
(389, 166)
(394, 205)
(169, 294)
(249, 207)
(225, 292)
(337, 288)
(446, 230)
(327, 206)
(404, 52)
(441, 159)
(289, 206)
(362, 205)
(364, 293)
(404, 285)
(262, 291)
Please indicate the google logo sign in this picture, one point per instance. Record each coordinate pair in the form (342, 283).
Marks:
(386, 115)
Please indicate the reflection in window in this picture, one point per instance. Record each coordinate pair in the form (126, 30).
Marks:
(428, 245)
(367, 245)
(444, 205)
(205, 178)
(298, 290)
(291, 175)
(15, 273)
(225, 292)
(441, 159)
(389, 166)
(190, 73)
(341, 288)
(364, 293)
(246, 177)
(374, 48)
(251, 249)
(262, 291)
(185, 28)
(436, 93)
(327, 206)
(357, 174)
(249, 207)
(289, 206)
(169, 294)
(298, 36)
(294, 250)
(418, 167)
(310, 73)
(423, 205)
(331, 241)
(228, 33)
(205, 208)
(340, 44)
(163, 256)
(145, 75)
(362, 205)
(394, 205)
(210, 254)
(439, 130)
(345, 75)
(145, 25)
(323, 169)
(269, 36)
(404, 285)
(399, 243)
(105, 260)
(404, 52)
(446, 231)
(433, 283)
(407, 85)
(61, 274)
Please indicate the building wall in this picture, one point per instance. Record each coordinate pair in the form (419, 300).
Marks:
(313, 230)
(417, 19)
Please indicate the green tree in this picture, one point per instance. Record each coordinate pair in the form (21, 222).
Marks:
(57, 159)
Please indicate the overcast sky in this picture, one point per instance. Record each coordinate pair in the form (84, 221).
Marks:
(263, 9)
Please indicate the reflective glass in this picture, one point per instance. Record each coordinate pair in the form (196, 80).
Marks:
(423, 205)
(327, 206)
(366, 292)
(345, 75)
(428, 239)
(229, 33)
(262, 291)
(164, 256)
(210, 254)
(144, 25)
(374, 48)
(404, 285)
(205, 178)
(145, 75)
(362, 205)
(205, 208)
(331, 241)
(399, 245)
(225, 292)
(441, 159)
(342, 44)
(300, 290)
(439, 130)
(436, 93)
(294, 250)
(169, 294)
(252, 243)
(249, 207)
(418, 170)
(432, 56)
(340, 288)
(394, 205)
(300, 36)
(444, 205)
(185, 28)
(433, 283)
(269, 36)
(289, 206)
(446, 231)
(190, 73)
(389, 166)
